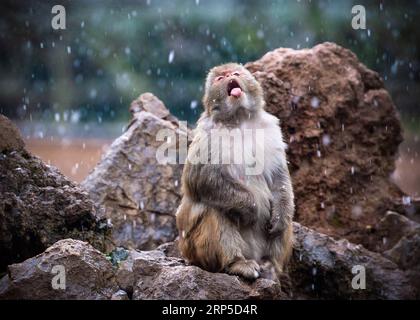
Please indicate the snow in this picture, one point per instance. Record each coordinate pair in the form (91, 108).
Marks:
(406, 200)
(356, 211)
(326, 140)
(193, 104)
(171, 56)
(315, 102)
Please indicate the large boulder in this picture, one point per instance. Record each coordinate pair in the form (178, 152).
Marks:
(391, 228)
(157, 276)
(70, 269)
(343, 133)
(140, 194)
(401, 242)
(139, 275)
(38, 205)
(328, 269)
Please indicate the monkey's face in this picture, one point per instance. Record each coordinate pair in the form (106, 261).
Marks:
(231, 91)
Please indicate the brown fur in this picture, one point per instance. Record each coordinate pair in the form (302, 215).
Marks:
(228, 223)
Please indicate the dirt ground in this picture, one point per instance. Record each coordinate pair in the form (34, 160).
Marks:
(74, 158)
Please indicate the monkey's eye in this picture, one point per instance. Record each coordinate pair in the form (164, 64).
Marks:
(236, 74)
(219, 78)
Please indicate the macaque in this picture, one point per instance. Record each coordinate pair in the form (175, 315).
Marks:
(231, 219)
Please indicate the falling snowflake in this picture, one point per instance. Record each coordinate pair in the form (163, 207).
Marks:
(171, 56)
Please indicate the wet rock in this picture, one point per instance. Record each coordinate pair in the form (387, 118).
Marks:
(140, 194)
(391, 228)
(87, 274)
(170, 249)
(160, 277)
(404, 245)
(343, 133)
(39, 206)
(148, 102)
(406, 252)
(161, 274)
(124, 274)
(323, 268)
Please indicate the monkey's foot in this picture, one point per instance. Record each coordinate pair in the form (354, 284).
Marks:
(248, 269)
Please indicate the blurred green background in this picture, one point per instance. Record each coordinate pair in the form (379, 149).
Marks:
(112, 51)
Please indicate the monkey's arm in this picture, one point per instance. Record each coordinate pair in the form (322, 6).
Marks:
(282, 205)
(215, 187)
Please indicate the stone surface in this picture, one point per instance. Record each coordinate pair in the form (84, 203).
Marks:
(39, 206)
(391, 228)
(150, 103)
(140, 194)
(161, 277)
(10, 138)
(88, 274)
(322, 268)
(343, 133)
(406, 252)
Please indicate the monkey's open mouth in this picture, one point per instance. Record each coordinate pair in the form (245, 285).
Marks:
(234, 89)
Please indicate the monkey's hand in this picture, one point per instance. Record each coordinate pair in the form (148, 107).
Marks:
(240, 207)
(277, 222)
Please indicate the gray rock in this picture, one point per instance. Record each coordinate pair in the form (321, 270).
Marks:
(39, 206)
(322, 268)
(139, 194)
(161, 277)
(148, 102)
(391, 228)
(88, 274)
(406, 252)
